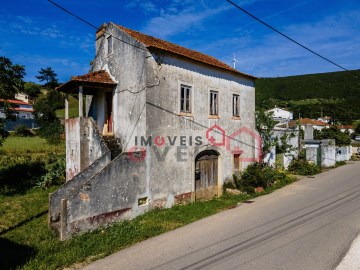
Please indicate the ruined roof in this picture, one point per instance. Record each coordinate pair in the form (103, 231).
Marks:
(95, 79)
(100, 76)
(308, 121)
(152, 42)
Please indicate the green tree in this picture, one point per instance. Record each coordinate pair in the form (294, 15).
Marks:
(356, 126)
(341, 138)
(44, 108)
(49, 76)
(265, 126)
(32, 89)
(11, 82)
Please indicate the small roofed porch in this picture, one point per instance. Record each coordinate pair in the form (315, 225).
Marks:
(95, 92)
(87, 135)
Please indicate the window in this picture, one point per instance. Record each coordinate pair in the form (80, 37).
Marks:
(236, 163)
(110, 44)
(236, 105)
(214, 103)
(185, 99)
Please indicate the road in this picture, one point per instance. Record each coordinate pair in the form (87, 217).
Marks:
(307, 225)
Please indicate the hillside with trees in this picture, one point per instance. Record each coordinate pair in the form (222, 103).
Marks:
(334, 94)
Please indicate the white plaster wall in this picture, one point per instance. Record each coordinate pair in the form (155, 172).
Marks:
(163, 119)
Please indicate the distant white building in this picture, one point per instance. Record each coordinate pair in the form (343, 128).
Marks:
(281, 115)
(22, 109)
(24, 97)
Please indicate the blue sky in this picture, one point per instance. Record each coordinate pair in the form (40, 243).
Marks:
(36, 34)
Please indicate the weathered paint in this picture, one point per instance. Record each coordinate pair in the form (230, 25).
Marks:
(146, 102)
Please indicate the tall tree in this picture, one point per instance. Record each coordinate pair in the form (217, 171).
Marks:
(265, 126)
(32, 89)
(49, 76)
(11, 82)
(44, 107)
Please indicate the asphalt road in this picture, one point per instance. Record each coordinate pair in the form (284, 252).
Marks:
(307, 225)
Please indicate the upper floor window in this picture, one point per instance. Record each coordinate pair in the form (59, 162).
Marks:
(110, 45)
(214, 103)
(236, 105)
(185, 99)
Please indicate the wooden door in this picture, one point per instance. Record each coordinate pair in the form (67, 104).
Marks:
(108, 113)
(206, 177)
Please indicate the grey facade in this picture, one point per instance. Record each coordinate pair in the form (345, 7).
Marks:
(178, 116)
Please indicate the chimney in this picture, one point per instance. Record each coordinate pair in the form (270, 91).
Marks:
(100, 35)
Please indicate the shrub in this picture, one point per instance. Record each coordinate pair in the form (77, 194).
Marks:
(19, 173)
(302, 167)
(22, 131)
(258, 175)
(55, 174)
(229, 183)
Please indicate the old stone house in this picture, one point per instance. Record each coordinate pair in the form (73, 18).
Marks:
(158, 125)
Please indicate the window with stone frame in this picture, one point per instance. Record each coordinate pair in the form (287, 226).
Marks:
(214, 103)
(236, 105)
(185, 98)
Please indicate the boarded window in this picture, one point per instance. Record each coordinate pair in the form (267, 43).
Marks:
(236, 105)
(236, 163)
(110, 44)
(214, 103)
(185, 99)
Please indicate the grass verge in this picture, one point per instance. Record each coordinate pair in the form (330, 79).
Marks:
(30, 145)
(31, 245)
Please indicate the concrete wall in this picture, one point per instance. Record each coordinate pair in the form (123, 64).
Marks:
(147, 103)
(343, 153)
(312, 153)
(328, 153)
(84, 145)
(118, 191)
(175, 175)
(127, 66)
(72, 187)
(12, 125)
(286, 158)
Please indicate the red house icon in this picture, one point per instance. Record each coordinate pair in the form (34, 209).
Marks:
(216, 135)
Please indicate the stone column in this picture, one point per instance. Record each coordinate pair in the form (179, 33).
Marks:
(66, 106)
(81, 102)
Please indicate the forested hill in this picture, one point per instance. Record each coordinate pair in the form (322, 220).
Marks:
(335, 94)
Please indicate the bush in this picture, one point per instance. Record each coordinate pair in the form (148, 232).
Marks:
(22, 131)
(302, 167)
(55, 174)
(19, 173)
(258, 175)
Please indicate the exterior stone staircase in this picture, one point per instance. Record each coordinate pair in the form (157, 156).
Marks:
(113, 144)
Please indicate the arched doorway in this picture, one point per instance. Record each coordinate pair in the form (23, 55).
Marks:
(206, 175)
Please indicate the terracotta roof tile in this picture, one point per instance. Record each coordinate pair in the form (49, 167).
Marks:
(93, 79)
(152, 42)
(305, 121)
(15, 101)
(100, 76)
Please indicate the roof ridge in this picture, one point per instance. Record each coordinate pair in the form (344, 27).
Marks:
(150, 41)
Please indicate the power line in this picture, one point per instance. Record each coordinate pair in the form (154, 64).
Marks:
(90, 24)
(291, 39)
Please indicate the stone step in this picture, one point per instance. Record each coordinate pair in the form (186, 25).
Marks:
(114, 145)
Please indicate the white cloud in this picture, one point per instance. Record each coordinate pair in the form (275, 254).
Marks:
(334, 37)
(172, 21)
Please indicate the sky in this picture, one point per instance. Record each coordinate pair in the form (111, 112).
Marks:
(37, 34)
